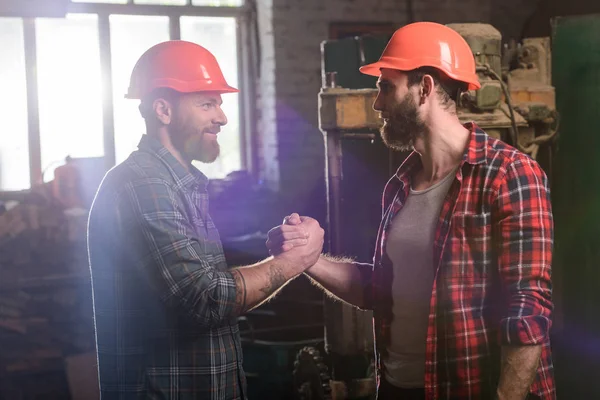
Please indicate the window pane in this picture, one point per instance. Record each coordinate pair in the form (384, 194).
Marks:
(130, 37)
(14, 145)
(162, 2)
(218, 3)
(218, 35)
(101, 1)
(69, 82)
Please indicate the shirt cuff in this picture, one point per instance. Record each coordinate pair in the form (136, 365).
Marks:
(227, 306)
(529, 330)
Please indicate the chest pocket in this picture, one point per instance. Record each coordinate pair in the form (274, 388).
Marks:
(472, 225)
(472, 252)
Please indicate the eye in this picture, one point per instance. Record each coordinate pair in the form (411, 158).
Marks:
(384, 87)
(207, 106)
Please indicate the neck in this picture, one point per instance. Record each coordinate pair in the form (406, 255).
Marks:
(163, 136)
(442, 147)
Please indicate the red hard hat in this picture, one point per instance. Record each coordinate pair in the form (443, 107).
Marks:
(428, 44)
(179, 65)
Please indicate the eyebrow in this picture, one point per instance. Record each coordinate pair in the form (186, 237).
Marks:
(213, 100)
(384, 82)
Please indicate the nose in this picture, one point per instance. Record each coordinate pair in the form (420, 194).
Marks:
(220, 117)
(378, 104)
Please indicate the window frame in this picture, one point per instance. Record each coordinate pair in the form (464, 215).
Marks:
(248, 151)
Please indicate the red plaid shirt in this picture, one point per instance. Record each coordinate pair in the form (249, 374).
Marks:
(492, 252)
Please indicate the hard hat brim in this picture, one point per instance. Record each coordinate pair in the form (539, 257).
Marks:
(374, 69)
(220, 88)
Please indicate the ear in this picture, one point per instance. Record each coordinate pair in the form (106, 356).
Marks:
(163, 110)
(427, 86)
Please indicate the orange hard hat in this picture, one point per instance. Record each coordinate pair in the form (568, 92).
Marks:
(428, 44)
(179, 65)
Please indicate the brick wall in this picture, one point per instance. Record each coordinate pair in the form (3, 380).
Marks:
(292, 145)
(512, 17)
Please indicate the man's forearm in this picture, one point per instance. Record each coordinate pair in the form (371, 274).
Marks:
(257, 283)
(341, 278)
(519, 365)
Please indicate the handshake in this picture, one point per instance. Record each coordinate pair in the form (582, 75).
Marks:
(299, 241)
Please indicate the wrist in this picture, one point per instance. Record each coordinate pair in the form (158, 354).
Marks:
(314, 267)
(293, 264)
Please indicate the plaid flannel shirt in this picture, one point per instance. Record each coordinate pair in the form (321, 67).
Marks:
(164, 301)
(493, 252)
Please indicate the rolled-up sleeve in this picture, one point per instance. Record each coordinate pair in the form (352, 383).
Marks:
(524, 229)
(162, 247)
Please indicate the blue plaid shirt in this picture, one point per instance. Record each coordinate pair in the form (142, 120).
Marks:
(164, 301)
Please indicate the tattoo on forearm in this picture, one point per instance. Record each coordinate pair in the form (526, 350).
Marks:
(276, 280)
(240, 290)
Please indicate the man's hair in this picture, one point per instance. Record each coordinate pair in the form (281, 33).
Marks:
(448, 89)
(146, 109)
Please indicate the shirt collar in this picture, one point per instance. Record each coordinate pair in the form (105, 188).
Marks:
(193, 179)
(475, 152)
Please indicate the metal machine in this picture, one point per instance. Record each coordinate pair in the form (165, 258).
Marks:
(515, 104)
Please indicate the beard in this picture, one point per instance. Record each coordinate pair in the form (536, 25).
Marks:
(201, 148)
(195, 144)
(403, 126)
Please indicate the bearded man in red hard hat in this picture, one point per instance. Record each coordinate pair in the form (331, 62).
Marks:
(460, 286)
(165, 302)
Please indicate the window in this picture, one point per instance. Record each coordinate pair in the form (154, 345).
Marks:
(101, 1)
(14, 143)
(130, 37)
(218, 35)
(162, 2)
(67, 81)
(69, 84)
(217, 3)
(206, 3)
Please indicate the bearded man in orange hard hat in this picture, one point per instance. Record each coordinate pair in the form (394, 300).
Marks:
(165, 302)
(460, 286)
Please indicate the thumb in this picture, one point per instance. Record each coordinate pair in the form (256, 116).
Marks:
(292, 219)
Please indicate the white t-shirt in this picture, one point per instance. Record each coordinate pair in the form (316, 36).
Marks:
(410, 248)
